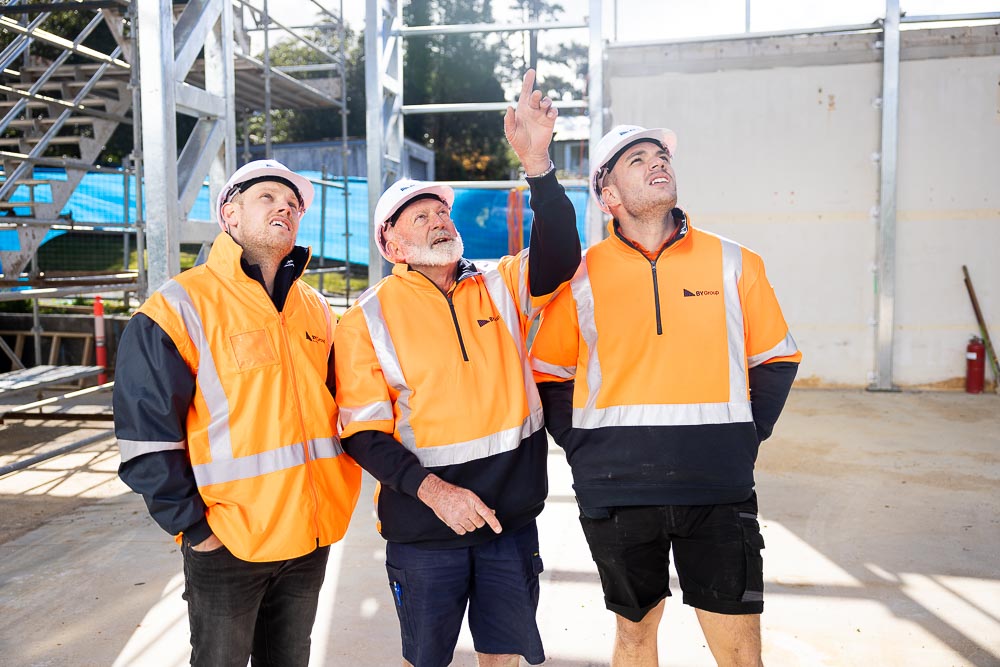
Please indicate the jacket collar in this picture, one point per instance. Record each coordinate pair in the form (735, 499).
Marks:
(226, 259)
(466, 269)
(680, 218)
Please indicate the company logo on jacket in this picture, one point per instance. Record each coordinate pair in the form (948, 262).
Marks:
(315, 339)
(702, 292)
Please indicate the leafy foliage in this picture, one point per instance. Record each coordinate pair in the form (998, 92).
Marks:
(456, 68)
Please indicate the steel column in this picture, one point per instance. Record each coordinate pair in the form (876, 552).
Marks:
(172, 181)
(885, 285)
(159, 141)
(594, 230)
(384, 102)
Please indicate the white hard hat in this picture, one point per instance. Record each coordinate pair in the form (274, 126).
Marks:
(264, 170)
(615, 141)
(398, 195)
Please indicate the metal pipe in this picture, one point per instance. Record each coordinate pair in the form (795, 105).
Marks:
(59, 6)
(932, 18)
(104, 386)
(125, 240)
(506, 185)
(27, 463)
(54, 292)
(36, 321)
(736, 37)
(62, 43)
(594, 223)
(432, 30)
(15, 362)
(137, 157)
(267, 83)
(886, 243)
(322, 228)
(414, 109)
(344, 154)
(322, 67)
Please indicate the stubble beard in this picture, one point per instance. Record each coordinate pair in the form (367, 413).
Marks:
(264, 249)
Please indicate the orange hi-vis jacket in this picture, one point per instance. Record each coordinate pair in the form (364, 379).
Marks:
(664, 351)
(261, 426)
(447, 376)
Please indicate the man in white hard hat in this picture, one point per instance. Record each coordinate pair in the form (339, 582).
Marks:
(682, 361)
(226, 422)
(438, 403)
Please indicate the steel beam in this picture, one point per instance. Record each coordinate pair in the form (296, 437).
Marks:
(159, 141)
(173, 181)
(886, 245)
(384, 105)
(594, 225)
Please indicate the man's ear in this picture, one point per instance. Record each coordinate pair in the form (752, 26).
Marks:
(609, 194)
(394, 251)
(229, 217)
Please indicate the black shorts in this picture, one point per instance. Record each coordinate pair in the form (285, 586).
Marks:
(716, 553)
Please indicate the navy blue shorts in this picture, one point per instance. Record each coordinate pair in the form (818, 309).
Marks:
(716, 552)
(498, 581)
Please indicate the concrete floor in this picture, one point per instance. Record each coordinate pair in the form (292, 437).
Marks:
(880, 514)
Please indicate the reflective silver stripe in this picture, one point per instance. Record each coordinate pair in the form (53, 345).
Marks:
(325, 448)
(459, 452)
(255, 465)
(753, 596)
(523, 288)
(385, 352)
(504, 302)
(737, 409)
(583, 294)
(480, 448)
(132, 448)
(785, 348)
(365, 413)
(668, 414)
(732, 270)
(565, 372)
(208, 375)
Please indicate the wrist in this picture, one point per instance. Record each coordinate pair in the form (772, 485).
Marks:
(539, 169)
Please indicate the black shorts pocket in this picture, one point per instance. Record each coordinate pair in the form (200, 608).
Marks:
(753, 544)
(400, 596)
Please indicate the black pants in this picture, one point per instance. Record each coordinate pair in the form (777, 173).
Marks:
(239, 609)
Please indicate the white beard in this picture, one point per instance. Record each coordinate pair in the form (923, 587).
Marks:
(441, 254)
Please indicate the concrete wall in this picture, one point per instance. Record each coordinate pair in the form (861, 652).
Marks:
(778, 149)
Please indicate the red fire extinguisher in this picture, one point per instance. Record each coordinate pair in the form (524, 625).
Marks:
(975, 365)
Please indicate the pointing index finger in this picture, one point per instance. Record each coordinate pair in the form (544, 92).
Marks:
(527, 84)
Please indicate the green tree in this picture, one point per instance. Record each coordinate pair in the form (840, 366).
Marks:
(456, 68)
(316, 124)
(571, 59)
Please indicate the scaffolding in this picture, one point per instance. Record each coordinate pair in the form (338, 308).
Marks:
(61, 100)
(384, 35)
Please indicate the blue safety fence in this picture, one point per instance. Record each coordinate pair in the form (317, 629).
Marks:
(479, 214)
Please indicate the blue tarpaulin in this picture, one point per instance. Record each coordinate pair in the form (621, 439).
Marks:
(480, 215)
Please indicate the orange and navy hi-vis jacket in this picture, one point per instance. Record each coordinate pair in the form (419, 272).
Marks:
(436, 382)
(238, 401)
(666, 354)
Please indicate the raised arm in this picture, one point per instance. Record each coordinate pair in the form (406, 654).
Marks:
(555, 244)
